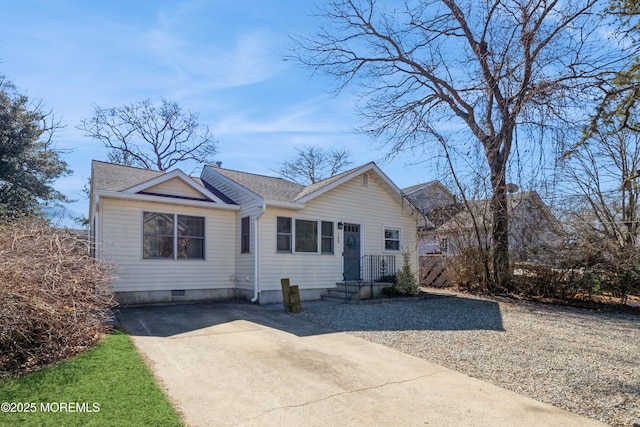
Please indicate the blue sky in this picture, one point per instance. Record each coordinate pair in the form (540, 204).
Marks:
(220, 58)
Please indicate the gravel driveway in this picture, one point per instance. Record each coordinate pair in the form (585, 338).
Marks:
(581, 360)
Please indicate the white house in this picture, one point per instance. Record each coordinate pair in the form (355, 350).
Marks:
(233, 234)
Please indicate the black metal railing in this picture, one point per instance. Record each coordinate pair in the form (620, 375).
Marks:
(366, 271)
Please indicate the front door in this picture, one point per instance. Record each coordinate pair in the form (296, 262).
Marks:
(351, 252)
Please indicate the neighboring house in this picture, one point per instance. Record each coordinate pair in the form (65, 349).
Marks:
(533, 229)
(430, 198)
(235, 234)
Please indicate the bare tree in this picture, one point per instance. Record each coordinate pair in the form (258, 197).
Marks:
(485, 66)
(150, 136)
(606, 169)
(313, 164)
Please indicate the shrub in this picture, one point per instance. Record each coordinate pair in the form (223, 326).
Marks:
(389, 278)
(470, 270)
(56, 300)
(406, 282)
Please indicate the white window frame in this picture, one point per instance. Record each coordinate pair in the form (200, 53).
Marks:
(176, 237)
(248, 234)
(319, 236)
(384, 238)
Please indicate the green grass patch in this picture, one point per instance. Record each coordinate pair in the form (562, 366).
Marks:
(107, 386)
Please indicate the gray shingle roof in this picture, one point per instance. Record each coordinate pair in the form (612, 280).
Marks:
(279, 189)
(411, 189)
(112, 177)
(268, 187)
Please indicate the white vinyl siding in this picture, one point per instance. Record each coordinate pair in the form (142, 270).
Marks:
(373, 207)
(121, 237)
(250, 206)
(175, 187)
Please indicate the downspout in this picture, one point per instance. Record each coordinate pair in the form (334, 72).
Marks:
(256, 255)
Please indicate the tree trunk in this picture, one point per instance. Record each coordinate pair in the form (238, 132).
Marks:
(500, 226)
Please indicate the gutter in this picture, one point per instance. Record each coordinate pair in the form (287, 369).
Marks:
(164, 200)
(256, 257)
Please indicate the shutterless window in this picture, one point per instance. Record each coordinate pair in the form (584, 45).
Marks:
(190, 237)
(391, 239)
(245, 236)
(306, 236)
(326, 245)
(158, 235)
(283, 234)
(172, 236)
(444, 245)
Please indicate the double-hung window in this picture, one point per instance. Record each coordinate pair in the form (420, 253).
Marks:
(391, 239)
(172, 236)
(284, 234)
(304, 236)
(326, 245)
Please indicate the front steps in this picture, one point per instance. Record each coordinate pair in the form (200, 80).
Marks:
(354, 291)
(342, 292)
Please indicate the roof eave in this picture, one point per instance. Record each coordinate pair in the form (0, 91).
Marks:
(176, 173)
(165, 200)
(236, 184)
(295, 206)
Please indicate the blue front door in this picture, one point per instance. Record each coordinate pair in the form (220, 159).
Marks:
(351, 252)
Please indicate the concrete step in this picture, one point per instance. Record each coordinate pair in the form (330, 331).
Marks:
(328, 297)
(342, 291)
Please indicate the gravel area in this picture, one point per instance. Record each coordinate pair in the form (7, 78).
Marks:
(581, 360)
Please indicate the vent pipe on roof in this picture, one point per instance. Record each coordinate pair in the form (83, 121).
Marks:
(218, 164)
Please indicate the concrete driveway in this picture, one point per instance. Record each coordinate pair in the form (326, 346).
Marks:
(239, 364)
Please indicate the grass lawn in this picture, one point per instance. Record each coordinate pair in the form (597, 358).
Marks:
(108, 386)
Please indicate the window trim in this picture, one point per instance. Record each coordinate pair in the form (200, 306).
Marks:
(384, 238)
(444, 244)
(315, 235)
(324, 236)
(319, 236)
(176, 237)
(245, 233)
(290, 234)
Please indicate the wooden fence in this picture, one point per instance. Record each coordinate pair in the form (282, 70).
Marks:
(433, 271)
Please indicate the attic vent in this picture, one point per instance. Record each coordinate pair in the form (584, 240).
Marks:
(365, 179)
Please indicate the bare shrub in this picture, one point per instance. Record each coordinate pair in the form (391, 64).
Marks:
(56, 300)
(468, 270)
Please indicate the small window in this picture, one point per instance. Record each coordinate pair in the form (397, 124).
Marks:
(391, 239)
(284, 234)
(245, 236)
(306, 236)
(444, 245)
(326, 244)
